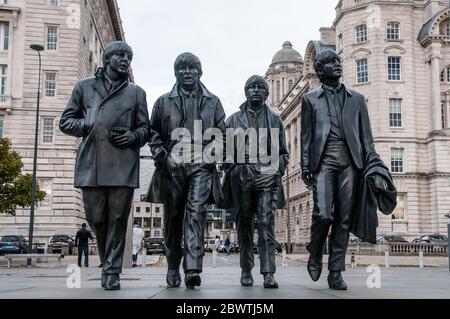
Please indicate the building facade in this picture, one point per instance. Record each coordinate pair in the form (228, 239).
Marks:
(396, 53)
(74, 34)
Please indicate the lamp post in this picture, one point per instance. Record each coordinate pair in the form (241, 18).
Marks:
(38, 48)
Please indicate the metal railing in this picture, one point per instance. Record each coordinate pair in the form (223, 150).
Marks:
(394, 249)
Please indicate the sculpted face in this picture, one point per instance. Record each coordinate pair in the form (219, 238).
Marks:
(120, 61)
(256, 91)
(332, 69)
(188, 75)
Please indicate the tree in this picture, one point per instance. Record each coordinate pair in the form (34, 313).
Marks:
(15, 188)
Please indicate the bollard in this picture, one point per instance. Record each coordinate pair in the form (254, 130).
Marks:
(214, 258)
(386, 258)
(284, 256)
(353, 260)
(421, 259)
(144, 257)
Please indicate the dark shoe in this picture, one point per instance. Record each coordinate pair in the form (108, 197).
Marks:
(269, 281)
(173, 278)
(315, 267)
(103, 280)
(113, 282)
(192, 280)
(134, 266)
(335, 281)
(247, 279)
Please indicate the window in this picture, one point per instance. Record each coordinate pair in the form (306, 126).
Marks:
(3, 80)
(53, 3)
(147, 209)
(395, 113)
(157, 210)
(399, 211)
(1, 125)
(157, 233)
(361, 33)
(47, 130)
(50, 84)
(393, 68)
(157, 222)
(340, 42)
(278, 91)
(138, 209)
(362, 71)
(3, 2)
(138, 221)
(444, 113)
(46, 185)
(4, 35)
(147, 222)
(52, 38)
(397, 160)
(393, 31)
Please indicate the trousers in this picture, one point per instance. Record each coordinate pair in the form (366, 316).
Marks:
(185, 213)
(107, 211)
(257, 195)
(334, 193)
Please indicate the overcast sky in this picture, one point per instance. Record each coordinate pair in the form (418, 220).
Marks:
(234, 39)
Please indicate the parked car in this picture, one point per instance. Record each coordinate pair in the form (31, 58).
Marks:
(278, 247)
(391, 239)
(13, 245)
(59, 244)
(155, 245)
(354, 239)
(431, 239)
(209, 245)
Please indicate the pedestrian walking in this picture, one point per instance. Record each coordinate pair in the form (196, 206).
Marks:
(82, 243)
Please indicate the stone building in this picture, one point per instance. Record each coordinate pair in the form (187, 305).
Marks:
(396, 53)
(74, 34)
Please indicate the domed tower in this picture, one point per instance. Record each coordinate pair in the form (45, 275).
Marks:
(285, 69)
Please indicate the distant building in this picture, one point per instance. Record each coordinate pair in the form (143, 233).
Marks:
(74, 34)
(396, 53)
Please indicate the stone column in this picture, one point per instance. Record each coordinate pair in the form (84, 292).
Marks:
(436, 87)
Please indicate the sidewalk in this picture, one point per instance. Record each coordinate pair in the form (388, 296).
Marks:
(223, 282)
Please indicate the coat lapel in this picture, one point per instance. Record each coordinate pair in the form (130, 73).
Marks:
(243, 118)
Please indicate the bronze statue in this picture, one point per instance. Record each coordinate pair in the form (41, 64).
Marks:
(110, 115)
(337, 149)
(185, 185)
(252, 185)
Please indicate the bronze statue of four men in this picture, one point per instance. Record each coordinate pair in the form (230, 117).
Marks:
(189, 138)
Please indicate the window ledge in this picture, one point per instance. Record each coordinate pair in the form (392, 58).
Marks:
(360, 43)
(362, 84)
(394, 40)
(396, 81)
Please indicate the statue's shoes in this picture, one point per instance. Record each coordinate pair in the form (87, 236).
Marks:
(247, 279)
(173, 278)
(112, 282)
(335, 281)
(314, 268)
(103, 279)
(192, 280)
(269, 281)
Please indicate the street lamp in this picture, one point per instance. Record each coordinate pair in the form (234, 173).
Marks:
(448, 239)
(38, 48)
